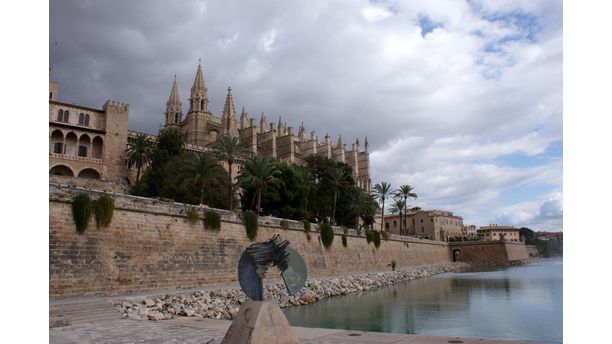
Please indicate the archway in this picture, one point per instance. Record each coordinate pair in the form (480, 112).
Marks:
(97, 147)
(89, 173)
(56, 144)
(61, 170)
(456, 255)
(71, 144)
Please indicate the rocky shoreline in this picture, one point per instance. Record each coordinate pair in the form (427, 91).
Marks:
(224, 303)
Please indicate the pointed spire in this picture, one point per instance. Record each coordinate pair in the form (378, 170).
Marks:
(198, 83)
(174, 106)
(339, 144)
(263, 125)
(244, 119)
(366, 144)
(174, 94)
(199, 92)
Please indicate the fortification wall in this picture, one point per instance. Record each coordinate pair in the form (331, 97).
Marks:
(490, 252)
(150, 246)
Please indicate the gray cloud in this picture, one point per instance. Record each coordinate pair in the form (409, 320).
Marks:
(432, 107)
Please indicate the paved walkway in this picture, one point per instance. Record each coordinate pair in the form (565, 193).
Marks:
(209, 331)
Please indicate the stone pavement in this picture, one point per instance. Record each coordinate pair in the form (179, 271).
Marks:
(209, 331)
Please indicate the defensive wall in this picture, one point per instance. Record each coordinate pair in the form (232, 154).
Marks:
(489, 252)
(151, 246)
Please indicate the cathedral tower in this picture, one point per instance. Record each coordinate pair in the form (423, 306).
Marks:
(174, 108)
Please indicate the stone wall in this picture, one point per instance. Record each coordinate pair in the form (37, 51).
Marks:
(490, 252)
(150, 246)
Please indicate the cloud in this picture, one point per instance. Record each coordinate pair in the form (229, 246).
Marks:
(441, 100)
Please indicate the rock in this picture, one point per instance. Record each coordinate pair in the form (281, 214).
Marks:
(155, 315)
(309, 298)
(148, 302)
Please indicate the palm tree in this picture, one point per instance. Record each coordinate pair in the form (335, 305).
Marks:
(229, 149)
(398, 206)
(336, 177)
(138, 153)
(365, 207)
(260, 172)
(382, 191)
(202, 168)
(405, 191)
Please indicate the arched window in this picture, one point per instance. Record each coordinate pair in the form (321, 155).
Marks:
(87, 119)
(81, 119)
(50, 95)
(60, 115)
(66, 116)
(177, 119)
(82, 151)
(202, 105)
(57, 148)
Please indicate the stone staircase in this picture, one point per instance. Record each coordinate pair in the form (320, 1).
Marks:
(78, 312)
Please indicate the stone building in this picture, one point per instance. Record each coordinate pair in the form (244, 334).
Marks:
(428, 224)
(91, 143)
(499, 233)
(469, 231)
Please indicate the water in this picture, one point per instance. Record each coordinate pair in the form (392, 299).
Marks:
(517, 303)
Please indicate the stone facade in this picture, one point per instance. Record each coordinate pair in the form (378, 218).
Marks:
(430, 224)
(91, 143)
(489, 253)
(499, 233)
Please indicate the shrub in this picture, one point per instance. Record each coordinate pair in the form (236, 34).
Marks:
(306, 226)
(392, 265)
(344, 229)
(81, 211)
(344, 240)
(308, 236)
(376, 238)
(212, 220)
(369, 235)
(358, 231)
(384, 235)
(192, 215)
(104, 209)
(327, 234)
(284, 224)
(249, 219)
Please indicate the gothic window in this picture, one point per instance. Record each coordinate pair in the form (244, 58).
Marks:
(387, 225)
(202, 105)
(81, 119)
(50, 95)
(57, 148)
(86, 120)
(176, 118)
(66, 116)
(394, 223)
(82, 151)
(60, 115)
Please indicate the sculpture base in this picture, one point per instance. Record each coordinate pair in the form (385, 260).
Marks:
(259, 322)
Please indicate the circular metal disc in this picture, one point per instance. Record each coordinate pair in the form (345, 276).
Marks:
(296, 273)
(249, 281)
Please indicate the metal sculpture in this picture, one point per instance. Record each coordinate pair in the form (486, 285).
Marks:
(256, 259)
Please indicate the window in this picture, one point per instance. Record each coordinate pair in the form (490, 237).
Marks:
(81, 119)
(202, 105)
(387, 225)
(57, 148)
(60, 115)
(66, 116)
(422, 229)
(50, 95)
(421, 220)
(176, 119)
(82, 151)
(394, 223)
(432, 220)
(86, 119)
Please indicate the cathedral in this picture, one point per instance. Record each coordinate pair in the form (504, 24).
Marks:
(90, 143)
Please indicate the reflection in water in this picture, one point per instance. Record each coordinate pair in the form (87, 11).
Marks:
(523, 302)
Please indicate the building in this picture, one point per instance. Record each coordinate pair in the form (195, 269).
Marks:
(550, 236)
(91, 143)
(470, 231)
(499, 233)
(428, 224)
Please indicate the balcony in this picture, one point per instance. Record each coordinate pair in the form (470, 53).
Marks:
(75, 158)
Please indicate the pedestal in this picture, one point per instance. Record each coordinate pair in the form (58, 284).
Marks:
(260, 322)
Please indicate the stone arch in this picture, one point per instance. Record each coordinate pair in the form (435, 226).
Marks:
(84, 149)
(56, 142)
(97, 147)
(456, 255)
(89, 173)
(61, 170)
(71, 143)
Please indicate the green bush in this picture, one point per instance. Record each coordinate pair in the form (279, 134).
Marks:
(327, 234)
(344, 229)
(344, 240)
(192, 216)
(308, 236)
(212, 220)
(104, 209)
(376, 238)
(250, 219)
(384, 235)
(369, 236)
(306, 224)
(392, 265)
(284, 224)
(81, 211)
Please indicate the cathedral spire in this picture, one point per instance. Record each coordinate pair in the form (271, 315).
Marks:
(229, 112)
(199, 93)
(174, 106)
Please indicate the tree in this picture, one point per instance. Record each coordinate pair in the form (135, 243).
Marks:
(259, 172)
(365, 207)
(229, 149)
(200, 170)
(382, 191)
(398, 206)
(138, 153)
(336, 177)
(405, 191)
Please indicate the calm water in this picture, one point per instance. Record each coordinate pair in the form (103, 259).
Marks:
(521, 303)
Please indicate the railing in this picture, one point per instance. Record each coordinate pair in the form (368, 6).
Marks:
(77, 158)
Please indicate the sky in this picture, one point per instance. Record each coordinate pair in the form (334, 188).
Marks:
(463, 100)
